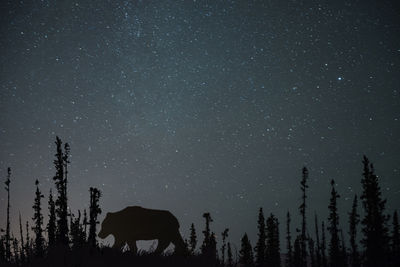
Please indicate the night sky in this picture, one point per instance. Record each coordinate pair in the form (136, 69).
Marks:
(200, 106)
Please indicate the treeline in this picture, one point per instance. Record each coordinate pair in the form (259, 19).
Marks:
(379, 241)
(64, 229)
(374, 239)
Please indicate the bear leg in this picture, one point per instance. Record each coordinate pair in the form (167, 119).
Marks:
(118, 244)
(178, 242)
(162, 245)
(132, 246)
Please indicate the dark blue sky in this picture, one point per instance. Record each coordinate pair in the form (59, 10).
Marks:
(195, 107)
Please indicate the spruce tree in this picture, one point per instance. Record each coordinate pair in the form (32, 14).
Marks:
(261, 242)
(77, 234)
(273, 257)
(94, 211)
(354, 219)
(28, 248)
(343, 250)
(289, 255)
(297, 260)
(22, 252)
(193, 240)
(395, 244)
(224, 236)
(15, 253)
(375, 231)
(230, 258)
(302, 208)
(205, 248)
(213, 247)
(38, 219)
(246, 252)
(7, 235)
(61, 203)
(334, 249)
(311, 249)
(85, 224)
(51, 225)
(324, 260)
(318, 246)
(2, 248)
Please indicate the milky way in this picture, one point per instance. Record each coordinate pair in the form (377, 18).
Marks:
(200, 107)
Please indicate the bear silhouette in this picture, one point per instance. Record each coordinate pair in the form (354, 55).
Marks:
(137, 223)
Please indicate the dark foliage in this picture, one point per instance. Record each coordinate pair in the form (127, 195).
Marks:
(318, 246)
(22, 252)
(208, 247)
(311, 249)
(7, 237)
(273, 257)
(354, 219)
(289, 248)
(374, 223)
(395, 241)
(343, 250)
(61, 203)
(246, 252)
(78, 236)
(297, 252)
(302, 208)
(230, 256)
(260, 247)
(51, 225)
(38, 219)
(324, 259)
(94, 211)
(193, 240)
(334, 247)
(224, 235)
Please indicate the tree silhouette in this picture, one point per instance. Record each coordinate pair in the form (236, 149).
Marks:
(38, 219)
(2, 248)
(375, 231)
(289, 255)
(246, 252)
(61, 203)
(193, 240)
(15, 249)
(85, 224)
(354, 219)
(213, 253)
(318, 246)
(311, 249)
(94, 211)
(343, 250)
(7, 235)
(206, 246)
(334, 249)
(28, 249)
(230, 258)
(302, 208)
(273, 257)
(77, 234)
(22, 253)
(51, 225)
(297, 252)
(261, 242)
(323, 246)
(395, 244)
(224, 236)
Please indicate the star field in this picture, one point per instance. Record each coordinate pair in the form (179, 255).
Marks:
(198, 106)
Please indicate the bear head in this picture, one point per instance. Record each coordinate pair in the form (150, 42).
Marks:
(106, 228)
